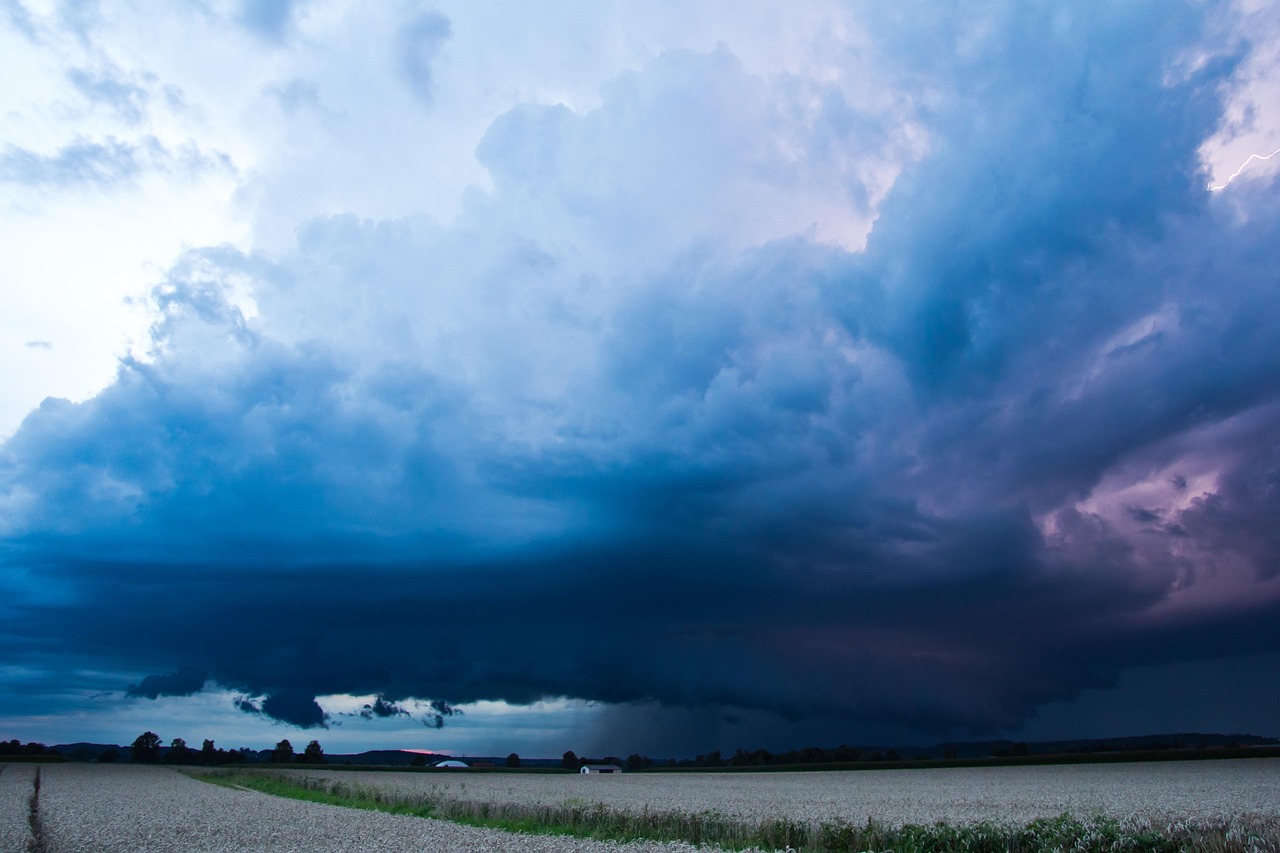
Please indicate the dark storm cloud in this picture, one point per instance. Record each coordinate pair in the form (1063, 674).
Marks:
(297, 707)
(1022, 442)
(184, 682)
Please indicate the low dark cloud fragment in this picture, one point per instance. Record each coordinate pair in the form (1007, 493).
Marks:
(440, 709)
(246, 705)
(185, 682)
(1143, 515)
(383, 709)
(295, 707)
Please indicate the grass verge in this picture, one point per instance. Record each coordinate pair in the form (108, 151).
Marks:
(598, 821)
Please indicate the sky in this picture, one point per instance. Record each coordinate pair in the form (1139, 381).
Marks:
(668, 377)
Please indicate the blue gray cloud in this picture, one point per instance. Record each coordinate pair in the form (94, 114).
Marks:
(269, 18)
(592, 440)
(105, 164)
(420, 43)
(125, 97)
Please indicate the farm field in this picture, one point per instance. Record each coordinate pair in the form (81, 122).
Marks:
(85, 808)
(1195, 790)
(138, 808)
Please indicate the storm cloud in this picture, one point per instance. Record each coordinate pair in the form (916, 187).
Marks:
(636, 428)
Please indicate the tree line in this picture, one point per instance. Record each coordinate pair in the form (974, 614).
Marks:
(147, 748)
(17, 747)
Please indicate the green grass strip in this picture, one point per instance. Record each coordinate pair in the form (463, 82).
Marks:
(598, 821)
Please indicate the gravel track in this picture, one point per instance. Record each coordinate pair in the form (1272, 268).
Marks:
(1174, 791)
(15, 795)
(109, 808)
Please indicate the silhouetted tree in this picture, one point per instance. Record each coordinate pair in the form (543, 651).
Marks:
(283, 753)
(208, 755)
(178, 752)
(313, 754)
(109, 756)
(513, 760)
(16, 747)
(146, 747)
(570, 761)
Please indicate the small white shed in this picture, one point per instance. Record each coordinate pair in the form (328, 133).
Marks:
(600, 768)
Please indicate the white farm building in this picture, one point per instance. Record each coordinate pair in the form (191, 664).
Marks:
(600, 768)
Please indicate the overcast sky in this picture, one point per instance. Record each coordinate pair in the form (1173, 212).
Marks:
(625, 377)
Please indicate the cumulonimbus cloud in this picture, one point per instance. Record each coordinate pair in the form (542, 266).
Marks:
(588, 441)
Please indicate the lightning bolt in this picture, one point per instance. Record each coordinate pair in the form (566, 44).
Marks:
(1243, 165)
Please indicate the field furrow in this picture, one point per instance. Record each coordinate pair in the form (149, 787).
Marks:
(15, 797)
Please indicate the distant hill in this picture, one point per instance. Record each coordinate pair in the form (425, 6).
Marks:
(385, 757)
(89, 751)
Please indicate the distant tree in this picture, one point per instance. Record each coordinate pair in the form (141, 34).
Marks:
(208, 755)
(949, 753)
(283, 753)
(179, 753)
(110, 755)
(416, 761)
(893, 755)
(513, 760)
(635, 761)
(146, 747)
(313, 754)
(570, 761)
